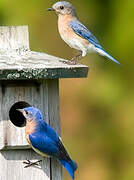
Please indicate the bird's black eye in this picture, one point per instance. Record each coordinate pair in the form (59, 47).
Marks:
(61, 7)
(26, 112)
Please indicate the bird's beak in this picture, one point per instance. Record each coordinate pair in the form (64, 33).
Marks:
(20, 110)
(50, 9)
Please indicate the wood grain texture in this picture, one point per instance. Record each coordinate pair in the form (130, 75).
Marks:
(54, 121)
(13, 38)
(12, 168)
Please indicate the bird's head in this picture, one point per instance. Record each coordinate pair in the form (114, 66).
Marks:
(63, 8)
(31, 114)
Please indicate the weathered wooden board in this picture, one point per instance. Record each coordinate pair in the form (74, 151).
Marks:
(12, 168)
(54, 121)
(18, 62)
(13, 38)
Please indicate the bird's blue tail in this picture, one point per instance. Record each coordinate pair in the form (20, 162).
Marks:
(70, 166)
(102, 52)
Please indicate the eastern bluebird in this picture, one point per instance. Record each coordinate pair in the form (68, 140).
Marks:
(74, 33)
(44, 140)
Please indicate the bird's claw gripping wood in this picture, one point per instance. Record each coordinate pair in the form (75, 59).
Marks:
(77, 58)
(29, 163)
(74, 60)
(70, 62)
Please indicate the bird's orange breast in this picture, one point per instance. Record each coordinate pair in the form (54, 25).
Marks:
(68, 34)
(63, 25)
(30, 127)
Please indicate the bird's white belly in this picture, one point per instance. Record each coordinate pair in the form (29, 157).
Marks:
(39, 152)
(74, 43)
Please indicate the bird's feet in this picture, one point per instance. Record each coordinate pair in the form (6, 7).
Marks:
(29, 163)
(71, 62)
(75, 60)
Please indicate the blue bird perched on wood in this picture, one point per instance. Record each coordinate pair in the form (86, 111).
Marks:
(74, 33)
(44, 140)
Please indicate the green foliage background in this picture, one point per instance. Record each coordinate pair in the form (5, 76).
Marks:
(97, 113)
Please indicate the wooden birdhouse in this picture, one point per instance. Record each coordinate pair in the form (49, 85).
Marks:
(28, 78)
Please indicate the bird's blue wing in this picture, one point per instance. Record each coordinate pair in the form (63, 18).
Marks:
(48, 145)
(47, 129)
(51, 133)
(46, 140)
(44, 144)
(82, 31)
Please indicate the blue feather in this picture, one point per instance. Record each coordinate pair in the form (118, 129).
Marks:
(104, 53)
(43, 143)
(70, 166)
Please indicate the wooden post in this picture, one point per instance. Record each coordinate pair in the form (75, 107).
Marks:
(32, 77)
